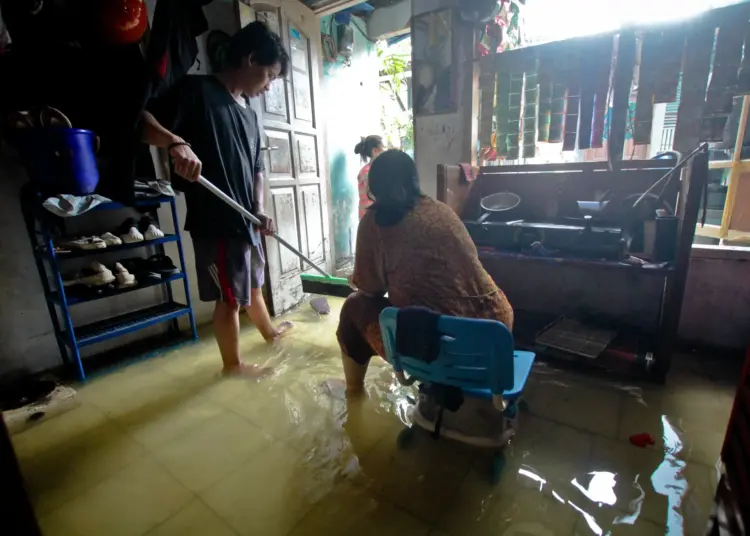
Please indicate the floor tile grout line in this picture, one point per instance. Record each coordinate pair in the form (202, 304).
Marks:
(214, 482)
(617, 439)
(127, 466)
(75, 495)
(225, 521)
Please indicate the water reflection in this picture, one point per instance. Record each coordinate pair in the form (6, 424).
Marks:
(668, 479)
(592, 495)
(601, 488)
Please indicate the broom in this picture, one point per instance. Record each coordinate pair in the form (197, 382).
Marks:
(324, 283)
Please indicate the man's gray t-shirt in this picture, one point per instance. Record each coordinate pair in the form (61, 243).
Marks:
(226, 138)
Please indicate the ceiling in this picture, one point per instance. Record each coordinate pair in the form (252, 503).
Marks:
(326, 7)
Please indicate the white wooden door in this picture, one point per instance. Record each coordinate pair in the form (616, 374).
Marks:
(296, 170)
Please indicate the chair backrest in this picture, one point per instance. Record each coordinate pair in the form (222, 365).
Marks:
(474, 353)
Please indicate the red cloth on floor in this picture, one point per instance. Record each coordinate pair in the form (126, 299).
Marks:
(642, 440)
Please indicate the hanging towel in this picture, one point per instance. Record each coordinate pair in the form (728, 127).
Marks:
(417, 333)
(468, 172)
(146, 188)
(67, 205)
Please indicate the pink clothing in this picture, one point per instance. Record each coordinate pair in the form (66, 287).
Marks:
(364, 200)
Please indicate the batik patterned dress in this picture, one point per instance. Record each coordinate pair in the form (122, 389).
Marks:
(427, 259)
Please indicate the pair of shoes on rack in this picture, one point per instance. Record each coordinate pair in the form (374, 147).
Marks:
(91, 242)
(98, 275)
(154, 267)
(146, 229)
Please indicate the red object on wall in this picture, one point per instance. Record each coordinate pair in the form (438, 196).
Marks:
(123, 22)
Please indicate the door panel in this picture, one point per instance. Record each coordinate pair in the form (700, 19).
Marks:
(278, 162)
(296, 185)
(302, 98)
(307, 155)
(286, 211)
(274, 102)
(311, 210)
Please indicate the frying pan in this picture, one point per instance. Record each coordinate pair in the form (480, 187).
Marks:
(494, 204)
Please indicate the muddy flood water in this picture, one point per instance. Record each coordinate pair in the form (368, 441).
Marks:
(166, 446)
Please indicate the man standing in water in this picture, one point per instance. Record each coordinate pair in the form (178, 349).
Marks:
(208, 127)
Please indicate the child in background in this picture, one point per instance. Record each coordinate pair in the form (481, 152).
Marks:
(368, 149)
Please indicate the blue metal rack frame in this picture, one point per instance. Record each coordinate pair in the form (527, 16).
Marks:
(71, 338)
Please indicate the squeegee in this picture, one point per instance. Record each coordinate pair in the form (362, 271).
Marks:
(324, 284)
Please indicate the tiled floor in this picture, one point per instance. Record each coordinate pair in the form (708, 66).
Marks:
(166, 447)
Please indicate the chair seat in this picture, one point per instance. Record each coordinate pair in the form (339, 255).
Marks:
(522, 363)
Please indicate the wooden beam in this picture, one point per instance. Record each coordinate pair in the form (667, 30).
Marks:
(335, 7)
(742, 165)
(695, 178)
(734, 173)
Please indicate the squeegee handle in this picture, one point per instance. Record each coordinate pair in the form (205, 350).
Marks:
(255, 221)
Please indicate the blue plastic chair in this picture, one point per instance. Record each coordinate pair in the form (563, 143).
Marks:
(476, 355)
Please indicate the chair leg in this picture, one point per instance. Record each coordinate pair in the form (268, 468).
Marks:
(498, 464)
(405, 437)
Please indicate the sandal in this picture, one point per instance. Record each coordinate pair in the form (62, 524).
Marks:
(96, 275)
(110, 239)
(124, 278)
(139, 267)
(85, 243)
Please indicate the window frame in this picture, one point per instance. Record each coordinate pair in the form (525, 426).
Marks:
(737, 165)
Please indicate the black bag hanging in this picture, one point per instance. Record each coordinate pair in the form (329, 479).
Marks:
(446, 397)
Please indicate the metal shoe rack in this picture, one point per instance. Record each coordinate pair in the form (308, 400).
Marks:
(71, 338)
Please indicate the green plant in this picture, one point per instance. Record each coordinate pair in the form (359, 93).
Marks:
(393, 65)
(396, 120)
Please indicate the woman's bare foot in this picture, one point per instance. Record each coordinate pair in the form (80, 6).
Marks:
(247, 371)
(281, 330)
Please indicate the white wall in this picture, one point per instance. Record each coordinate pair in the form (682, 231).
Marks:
(440, 139)
(350, 98)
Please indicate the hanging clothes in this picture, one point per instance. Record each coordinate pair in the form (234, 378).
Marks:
(171, 52)
(172, 48)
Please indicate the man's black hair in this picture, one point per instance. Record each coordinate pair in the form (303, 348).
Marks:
(265, 46)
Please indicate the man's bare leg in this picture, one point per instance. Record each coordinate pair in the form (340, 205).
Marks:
(258, 313)
(226, 324)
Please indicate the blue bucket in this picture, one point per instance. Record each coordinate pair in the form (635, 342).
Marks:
(61, 160)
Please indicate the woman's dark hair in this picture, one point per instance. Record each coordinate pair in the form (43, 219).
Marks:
(394, 184)
(265, 46)
(366, 145)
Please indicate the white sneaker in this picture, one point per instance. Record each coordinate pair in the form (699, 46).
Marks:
(110, 239)
(86, 242)
(124, 278)
(132, 236)
(153, 232)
